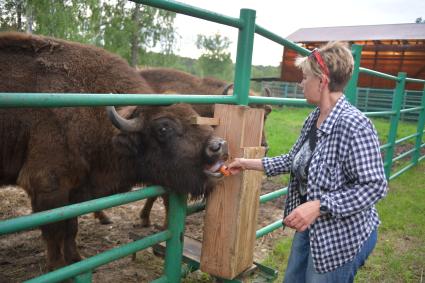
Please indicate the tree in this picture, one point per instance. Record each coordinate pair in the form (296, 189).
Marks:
(215, 61)
(419, 21)
(120, 26)
(11, 15)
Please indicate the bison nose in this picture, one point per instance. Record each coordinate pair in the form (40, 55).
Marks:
(217, 146)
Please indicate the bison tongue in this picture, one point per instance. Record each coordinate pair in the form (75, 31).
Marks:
(215, 166)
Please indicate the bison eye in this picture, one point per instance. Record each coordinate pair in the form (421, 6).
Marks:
(163, 130)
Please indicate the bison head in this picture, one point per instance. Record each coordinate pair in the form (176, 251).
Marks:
(170, 150)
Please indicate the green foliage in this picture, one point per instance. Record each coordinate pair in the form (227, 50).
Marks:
(215, 46)
(420, 21)
(215, 61)
(119, 26)
(119, 29)
(10, 15)
(124, 28)
(263, 72)
(153, 59)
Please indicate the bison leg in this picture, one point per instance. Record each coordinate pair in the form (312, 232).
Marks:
(53, 245)
(53, 234)
(146, 211)
(70, 250)
(103, 217)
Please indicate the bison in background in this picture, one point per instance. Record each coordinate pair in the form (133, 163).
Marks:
(68, 155)
(168, 81)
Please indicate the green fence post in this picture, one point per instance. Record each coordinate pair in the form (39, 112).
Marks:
(244, 56)
(367, 99)
(174, 249)
(350, 91)
(395, 118)
(420, 131)
(83, 278)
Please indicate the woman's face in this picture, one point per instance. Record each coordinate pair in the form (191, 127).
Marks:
(311, 87)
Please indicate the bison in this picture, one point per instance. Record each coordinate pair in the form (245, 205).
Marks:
(68, 155)
(168, 81)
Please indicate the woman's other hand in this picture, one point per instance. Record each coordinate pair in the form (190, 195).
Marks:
(303, 216)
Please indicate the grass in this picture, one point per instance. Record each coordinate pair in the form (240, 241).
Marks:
(400, 252)
(284, 124)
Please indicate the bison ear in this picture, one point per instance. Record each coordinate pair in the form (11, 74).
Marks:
(267, 92)
(126, 144)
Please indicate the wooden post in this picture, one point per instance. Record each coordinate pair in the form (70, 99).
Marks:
(232, 209)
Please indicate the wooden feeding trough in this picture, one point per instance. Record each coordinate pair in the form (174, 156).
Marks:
(232, 209)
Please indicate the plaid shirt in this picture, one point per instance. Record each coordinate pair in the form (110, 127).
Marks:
(346, 174)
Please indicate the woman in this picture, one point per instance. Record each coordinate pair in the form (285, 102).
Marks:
(337, 176)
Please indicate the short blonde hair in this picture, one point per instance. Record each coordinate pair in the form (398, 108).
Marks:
(337, 58)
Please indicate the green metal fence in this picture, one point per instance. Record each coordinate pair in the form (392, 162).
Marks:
(367, 99)
(81, 271)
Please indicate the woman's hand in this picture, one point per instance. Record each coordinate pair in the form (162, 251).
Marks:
(239, 164)
(302, 216)
(236, 166)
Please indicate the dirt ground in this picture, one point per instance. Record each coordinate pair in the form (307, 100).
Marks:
(22, 255)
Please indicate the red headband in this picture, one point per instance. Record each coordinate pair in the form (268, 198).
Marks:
(315, 53)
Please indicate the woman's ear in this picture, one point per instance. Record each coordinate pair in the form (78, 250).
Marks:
(324, 81)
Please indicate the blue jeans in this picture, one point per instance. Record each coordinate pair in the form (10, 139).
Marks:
(300, 267)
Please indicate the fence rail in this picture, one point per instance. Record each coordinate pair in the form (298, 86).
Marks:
(370, 100)
(81, 271)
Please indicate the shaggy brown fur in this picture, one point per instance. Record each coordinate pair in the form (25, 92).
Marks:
(67, 155)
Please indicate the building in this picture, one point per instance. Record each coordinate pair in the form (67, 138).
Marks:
(390, 49)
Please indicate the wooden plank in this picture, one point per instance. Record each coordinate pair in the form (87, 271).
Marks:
(191, 249)
(205, 121)
(225, 250)
(253, 118)
(248, 212)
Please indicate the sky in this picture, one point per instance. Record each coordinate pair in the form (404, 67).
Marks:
(285, 17)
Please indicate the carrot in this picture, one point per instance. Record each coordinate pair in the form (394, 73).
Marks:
(224, 170)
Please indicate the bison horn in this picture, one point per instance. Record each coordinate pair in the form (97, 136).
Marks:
(130, 125)
(268, 92)
(226, 89)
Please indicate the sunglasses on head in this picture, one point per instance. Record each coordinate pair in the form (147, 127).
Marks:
(315, 53)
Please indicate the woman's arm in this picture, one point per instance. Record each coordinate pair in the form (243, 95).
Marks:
(240, 164)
